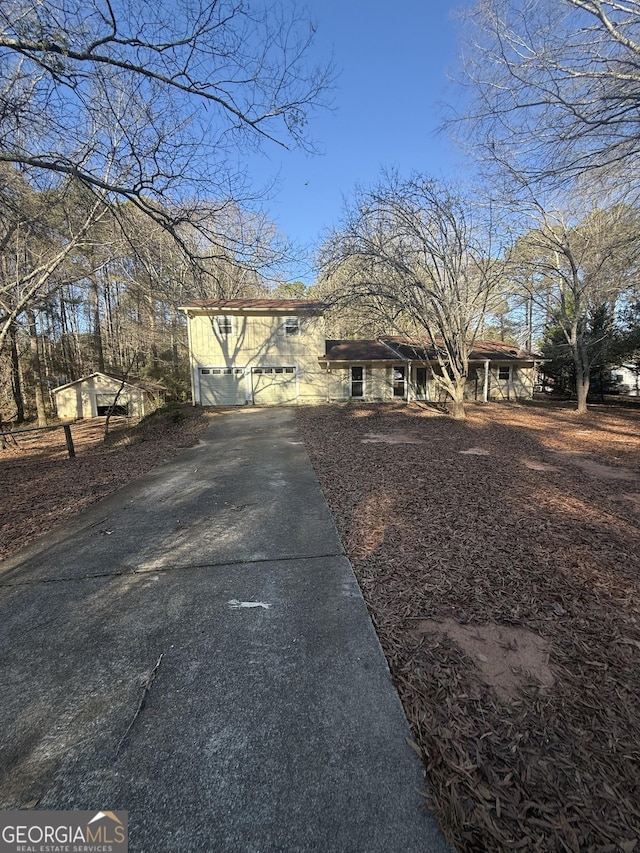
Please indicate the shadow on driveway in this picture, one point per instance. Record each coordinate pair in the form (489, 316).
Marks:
(195, 650)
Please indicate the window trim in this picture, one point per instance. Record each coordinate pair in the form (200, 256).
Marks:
(403, 381)
(224, 325)
(292, 326)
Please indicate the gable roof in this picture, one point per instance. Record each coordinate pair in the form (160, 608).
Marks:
(290, 306)
(131, 381)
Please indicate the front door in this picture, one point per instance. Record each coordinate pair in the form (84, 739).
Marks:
(357, 382)
(422, 388)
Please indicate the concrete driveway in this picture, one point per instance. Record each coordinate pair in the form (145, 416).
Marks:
(194, 649)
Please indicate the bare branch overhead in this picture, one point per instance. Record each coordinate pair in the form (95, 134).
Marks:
(555, 87)
(153, 102)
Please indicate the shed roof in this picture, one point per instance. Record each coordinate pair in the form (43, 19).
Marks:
(132, 381)
(291, 306)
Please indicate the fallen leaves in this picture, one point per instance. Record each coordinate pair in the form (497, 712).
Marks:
(549, 550)
(42, 487)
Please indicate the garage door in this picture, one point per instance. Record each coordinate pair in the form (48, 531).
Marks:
(273, 385)
(222, 386)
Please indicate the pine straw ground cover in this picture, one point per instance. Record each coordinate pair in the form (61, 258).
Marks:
(500, 561)
(40, 487)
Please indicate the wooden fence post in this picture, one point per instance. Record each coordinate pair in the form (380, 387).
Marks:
(67, 435)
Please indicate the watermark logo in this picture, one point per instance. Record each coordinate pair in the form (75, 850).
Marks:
(63, 832)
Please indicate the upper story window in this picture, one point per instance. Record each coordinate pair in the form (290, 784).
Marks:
(225, 325)
(292, 326)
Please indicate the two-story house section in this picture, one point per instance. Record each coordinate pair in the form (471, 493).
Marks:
(256, 351)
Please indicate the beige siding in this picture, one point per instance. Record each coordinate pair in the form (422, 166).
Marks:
(520, 386)
(82, 399)
(523, 382)
(378, 387)
(262, 341)
(69, 404)
(379, 384)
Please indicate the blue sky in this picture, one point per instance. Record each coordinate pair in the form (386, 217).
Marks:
(392, 61)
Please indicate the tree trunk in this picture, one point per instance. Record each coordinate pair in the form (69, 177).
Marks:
(97, 327)
(582, 389)
(16, 382)
(457, 401)
(583, 375)
(36, 368)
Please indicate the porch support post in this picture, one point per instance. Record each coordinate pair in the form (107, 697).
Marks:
(485, 390)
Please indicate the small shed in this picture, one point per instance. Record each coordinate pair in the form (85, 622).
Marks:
(94, 395)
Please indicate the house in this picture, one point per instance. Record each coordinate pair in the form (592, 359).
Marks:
(94, 395)
(274, 351)
(626, 378)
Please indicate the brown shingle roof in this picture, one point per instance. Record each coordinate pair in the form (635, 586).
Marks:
(293, 306)
(481, 350)
(357, 351)
(395, 348)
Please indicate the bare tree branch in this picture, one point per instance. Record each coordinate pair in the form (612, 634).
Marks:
(163, 96)
(555, 88)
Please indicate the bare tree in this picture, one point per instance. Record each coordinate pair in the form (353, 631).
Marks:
(576, 266)
(35, 245)
(420, 257)
(555, 88)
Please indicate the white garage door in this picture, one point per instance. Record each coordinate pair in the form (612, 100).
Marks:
(273, 385)
(222, 386)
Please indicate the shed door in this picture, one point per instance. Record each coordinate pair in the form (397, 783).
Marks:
(106, 403)
(274, 385)
(222, 386)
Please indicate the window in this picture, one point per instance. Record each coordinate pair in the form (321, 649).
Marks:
(273, 370)
(225, 325)
(503, 374)
(205, 371)
(357, 381)
(292, 326)
(398, 381)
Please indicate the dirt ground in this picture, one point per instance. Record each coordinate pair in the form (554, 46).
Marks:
(500, 561)
(40, 486)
